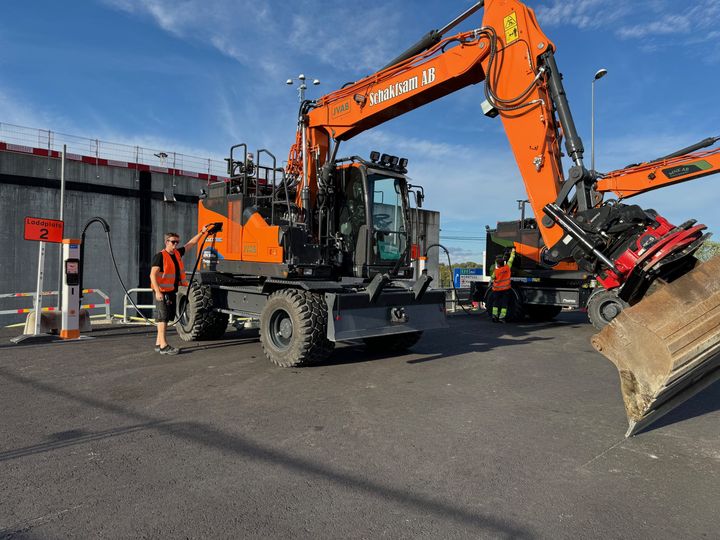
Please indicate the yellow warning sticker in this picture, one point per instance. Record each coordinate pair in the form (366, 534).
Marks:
(511, 28)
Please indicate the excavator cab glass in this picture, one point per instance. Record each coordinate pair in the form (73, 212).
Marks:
(388, 218)
(373, 218)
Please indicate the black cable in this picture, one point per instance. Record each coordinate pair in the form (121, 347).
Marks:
(503, 104)
(179, 317)
(452, 281)
(122, 283)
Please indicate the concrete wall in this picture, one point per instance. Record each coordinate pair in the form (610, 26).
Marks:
(29, 186)
(427, 234)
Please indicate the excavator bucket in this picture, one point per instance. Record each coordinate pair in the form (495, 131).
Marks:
(667, 346)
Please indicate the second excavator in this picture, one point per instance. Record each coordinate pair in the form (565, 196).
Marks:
(644, 264)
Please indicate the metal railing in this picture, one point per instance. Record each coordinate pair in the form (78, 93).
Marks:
(28, 138)
(454, 298)
(104, 305)
(128, 305)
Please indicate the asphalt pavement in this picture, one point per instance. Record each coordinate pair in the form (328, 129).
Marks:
(481, 431)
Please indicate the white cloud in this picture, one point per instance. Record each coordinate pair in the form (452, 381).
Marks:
(16, 110)
(336, 37)
(581, 13)
(256, 34)
(658, 23)
(239, 29)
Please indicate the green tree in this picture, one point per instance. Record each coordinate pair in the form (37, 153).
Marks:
(708, 250)
(446, 273)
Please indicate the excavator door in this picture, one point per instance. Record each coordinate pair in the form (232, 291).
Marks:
(373, 217)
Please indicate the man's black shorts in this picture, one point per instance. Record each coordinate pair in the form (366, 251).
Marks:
(165, 309)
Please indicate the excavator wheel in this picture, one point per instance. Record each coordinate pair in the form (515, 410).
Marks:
(198, 321)
(603, 306)
(393, 342)
(293, 328)
(539, 313)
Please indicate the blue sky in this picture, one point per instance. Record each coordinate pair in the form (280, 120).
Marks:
(197, 76)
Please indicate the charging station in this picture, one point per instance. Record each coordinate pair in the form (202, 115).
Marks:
(73, 319)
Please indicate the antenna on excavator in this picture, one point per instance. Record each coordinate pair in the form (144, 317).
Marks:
(303, 86)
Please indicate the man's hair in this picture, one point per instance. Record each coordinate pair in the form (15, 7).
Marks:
(169, 235)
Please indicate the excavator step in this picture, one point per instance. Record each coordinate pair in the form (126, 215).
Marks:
(667, 346)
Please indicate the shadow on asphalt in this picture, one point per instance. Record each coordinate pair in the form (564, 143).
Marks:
(469, 333)
(212, 437)
(705, 402)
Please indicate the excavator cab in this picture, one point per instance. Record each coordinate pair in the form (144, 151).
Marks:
(373, 219)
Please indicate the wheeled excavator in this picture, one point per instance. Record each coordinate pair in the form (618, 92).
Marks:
(329, 237)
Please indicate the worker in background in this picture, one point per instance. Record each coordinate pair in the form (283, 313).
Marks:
(501, 287)
(167, 273)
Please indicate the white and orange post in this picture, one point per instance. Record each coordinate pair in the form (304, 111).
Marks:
(70, 320)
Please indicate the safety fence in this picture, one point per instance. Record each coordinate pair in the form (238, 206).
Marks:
(130, 306)
(456, 297)
(132, 315)
(49, 144)
(103, 305)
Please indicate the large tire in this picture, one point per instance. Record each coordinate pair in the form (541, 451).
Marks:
(199, 321)
(293, 328)
(515, 312)
(540, 313)
(603, 306)
(392, 342)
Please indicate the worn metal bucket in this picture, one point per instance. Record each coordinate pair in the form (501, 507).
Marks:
(667, 346)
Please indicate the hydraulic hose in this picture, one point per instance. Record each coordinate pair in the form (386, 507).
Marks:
(452, 281)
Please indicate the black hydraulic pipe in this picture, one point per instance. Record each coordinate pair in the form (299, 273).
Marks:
(573, 142)
(433, 37)
(697, 146)
(106, 227)
(569, 226)
(427, 41)
(460, 18)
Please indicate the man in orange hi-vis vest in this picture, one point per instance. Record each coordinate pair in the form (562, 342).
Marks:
(166, 275)
(501, 286)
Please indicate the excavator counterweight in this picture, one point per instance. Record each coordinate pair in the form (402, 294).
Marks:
(666, 347)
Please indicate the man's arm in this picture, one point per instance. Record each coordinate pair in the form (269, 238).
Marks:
(512, 257)
(194, 240)
(154, 271)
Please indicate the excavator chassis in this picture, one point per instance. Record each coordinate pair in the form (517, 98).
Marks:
(301, 320)
(667, 346)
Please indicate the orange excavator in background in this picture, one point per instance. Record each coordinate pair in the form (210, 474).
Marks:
(328, 236)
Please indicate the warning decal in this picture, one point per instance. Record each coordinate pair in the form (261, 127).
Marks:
(511, 28)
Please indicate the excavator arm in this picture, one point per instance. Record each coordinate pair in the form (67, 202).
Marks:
(674, 169)
(632, 252)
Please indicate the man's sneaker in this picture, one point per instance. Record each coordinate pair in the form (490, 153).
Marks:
(169, 350)
(157, 348)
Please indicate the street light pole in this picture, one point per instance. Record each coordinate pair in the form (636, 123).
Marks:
(599, 75)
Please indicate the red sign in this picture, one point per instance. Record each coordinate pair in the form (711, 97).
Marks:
(44, 230)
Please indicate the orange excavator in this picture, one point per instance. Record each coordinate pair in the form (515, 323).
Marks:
(327, 237)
